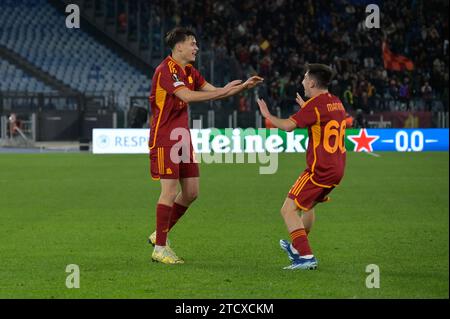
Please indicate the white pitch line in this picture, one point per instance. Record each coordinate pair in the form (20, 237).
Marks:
(372, 154)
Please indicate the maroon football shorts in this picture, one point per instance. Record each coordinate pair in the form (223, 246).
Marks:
(173, 162)
(306, 193)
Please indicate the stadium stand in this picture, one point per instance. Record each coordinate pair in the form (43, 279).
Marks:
(276, 38)
(35, 30)
(119, 39)
(14, 79)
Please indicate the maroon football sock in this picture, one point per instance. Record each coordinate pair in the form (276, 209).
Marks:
(300, 242)
(162, 223)
(177, 211)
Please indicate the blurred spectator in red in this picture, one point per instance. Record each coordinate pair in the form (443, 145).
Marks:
(348, 120)
(243, 104)
(123, 21)
(14, 124)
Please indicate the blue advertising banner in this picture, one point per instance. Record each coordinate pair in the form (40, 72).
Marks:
(251, 140)
(397, 140)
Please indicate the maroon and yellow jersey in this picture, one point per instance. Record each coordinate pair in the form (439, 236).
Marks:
(168, 111)
(324, 116)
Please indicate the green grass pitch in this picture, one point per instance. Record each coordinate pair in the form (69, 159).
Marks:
(97, 211)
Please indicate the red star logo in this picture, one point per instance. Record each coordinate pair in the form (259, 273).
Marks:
(363, 141)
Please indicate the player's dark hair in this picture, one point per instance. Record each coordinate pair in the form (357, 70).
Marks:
(178, 34)
(321, 73)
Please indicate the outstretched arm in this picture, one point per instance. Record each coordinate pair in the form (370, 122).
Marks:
(284, 124)
(236, 85)
(188, 95)
(208, 87)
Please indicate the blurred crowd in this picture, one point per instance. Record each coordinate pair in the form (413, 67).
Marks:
(276, 38)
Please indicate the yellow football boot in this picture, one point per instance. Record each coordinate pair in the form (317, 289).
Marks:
(166, 257)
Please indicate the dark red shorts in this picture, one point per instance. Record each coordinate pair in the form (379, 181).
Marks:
(172, 162)
(306, 193)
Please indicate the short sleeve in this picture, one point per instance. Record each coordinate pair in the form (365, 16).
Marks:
(170, 82)
(304, 117)
(199, 80)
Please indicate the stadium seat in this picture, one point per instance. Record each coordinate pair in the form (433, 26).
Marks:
(35, 30)
(14, 79)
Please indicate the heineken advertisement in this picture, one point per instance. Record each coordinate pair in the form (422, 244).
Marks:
(135, 141)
